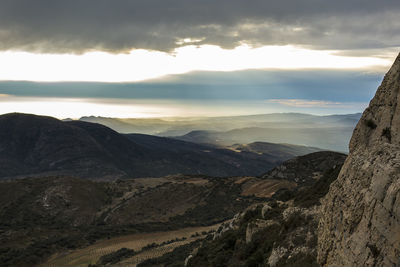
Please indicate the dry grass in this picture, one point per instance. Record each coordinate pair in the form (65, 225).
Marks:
(91, 254)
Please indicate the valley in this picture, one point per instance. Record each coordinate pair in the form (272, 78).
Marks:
(44, 218)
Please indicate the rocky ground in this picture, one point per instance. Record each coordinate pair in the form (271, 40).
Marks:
(41, 216)
(281, 231)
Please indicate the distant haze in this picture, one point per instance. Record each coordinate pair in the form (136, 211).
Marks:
(326, 132)
(198, 94)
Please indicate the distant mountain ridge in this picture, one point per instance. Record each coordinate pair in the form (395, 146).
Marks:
(329, 138)
(35, 146)
(182, 125)
(331, 132)
(281, 150)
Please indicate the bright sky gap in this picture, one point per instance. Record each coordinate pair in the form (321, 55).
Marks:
(139, 65)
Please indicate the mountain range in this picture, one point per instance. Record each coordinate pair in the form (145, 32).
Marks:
(35, 146)
(328, 132)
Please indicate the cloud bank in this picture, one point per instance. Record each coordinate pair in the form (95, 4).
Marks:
(75, 26)
(250, 85)
(304, 103)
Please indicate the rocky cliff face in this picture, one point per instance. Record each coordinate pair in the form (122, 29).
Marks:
(360, 221)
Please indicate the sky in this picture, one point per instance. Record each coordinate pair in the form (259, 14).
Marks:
(157, 58)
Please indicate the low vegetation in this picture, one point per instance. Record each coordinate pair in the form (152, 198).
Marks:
(42, 216)
(61, 220)
(145, 245)
(387, 133)
(115, 257)
(286, 237)
(370, 123)
(172, 259)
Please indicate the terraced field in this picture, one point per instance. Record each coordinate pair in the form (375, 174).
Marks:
(91, 254)
(154, 253)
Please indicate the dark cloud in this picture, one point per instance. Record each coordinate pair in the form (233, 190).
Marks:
(120, 25)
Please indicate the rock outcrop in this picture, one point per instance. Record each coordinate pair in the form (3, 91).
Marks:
(281, 231)
(360, 221)
(305, 170)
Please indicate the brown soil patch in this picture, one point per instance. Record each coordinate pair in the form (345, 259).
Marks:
(91, 254)
(266, 188)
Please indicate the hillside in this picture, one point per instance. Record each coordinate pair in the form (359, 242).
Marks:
(306, 169)
(42, 216)
(281, 230)
(35, 146)
(285, 151)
